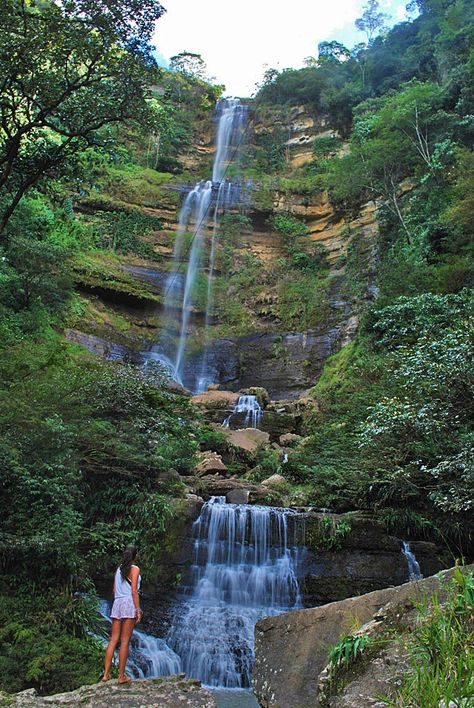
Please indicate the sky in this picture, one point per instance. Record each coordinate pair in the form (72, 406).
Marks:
(239, 40)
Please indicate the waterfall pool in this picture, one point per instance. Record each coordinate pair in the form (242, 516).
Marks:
(234, 698)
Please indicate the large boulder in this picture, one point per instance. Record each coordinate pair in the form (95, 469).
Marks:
(248, 439)
(216, 400)
(275, 480)
(291, 650)
(209, 463)
(289, 439)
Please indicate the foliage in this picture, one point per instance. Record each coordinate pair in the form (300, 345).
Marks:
(348, 650)
(440, 648)
(329, 535)
(44, 642)
(189, 64)
(67, 71)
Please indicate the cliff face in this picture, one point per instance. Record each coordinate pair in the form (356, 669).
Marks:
(266, 343)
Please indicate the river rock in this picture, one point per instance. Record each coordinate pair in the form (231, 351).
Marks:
(210, 462)
(164, 692)
(291, 649)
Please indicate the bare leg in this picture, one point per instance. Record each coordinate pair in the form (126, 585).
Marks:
(127, 629)
(112, 645)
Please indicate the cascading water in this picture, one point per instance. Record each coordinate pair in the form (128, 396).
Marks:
(202, 207)
(149, 656)
(244, 568)
(414, 572)
(251, 407)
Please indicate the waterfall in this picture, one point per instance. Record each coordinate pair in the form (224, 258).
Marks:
(202, 207)
(244, 568)
(251, 407)
(414, 572)
(149, 656)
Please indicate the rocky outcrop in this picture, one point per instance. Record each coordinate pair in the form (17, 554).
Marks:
(291, 649)
(165, 692)
(247, 439)
(209, 463)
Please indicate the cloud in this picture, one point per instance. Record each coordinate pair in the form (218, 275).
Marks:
(237, 41)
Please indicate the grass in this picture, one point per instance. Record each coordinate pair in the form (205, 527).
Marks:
(441, 650)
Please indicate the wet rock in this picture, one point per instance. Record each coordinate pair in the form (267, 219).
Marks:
(164, 692)
(215, 486)
(238, 496)
(261, 393)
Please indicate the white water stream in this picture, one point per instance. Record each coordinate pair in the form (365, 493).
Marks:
(251, 407)
(414, 572)
(201, 212)
(245, 567)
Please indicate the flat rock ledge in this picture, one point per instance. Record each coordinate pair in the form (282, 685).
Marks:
(165, 692)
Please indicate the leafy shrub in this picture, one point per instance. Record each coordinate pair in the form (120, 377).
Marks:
(440, 647)
(329, 534)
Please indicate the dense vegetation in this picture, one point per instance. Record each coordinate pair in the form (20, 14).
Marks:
(91, 133)
(393, 433)
(83, 442)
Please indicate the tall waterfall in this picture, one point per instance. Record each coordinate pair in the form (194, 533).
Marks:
(245, 567)
(199, 218)
(149, 656)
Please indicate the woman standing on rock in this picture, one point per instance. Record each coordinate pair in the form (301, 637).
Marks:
(126, 612)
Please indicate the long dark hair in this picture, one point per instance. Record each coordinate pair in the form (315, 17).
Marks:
(128, 557)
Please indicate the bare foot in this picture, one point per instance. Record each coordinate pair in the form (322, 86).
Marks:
(105, 677)
(123, 678)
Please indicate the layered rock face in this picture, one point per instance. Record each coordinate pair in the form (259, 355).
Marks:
(291, 650)
(124, 316)
(366, 559)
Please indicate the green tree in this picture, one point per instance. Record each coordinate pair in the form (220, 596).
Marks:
(372, 20)
(189, 64)
(67, 70)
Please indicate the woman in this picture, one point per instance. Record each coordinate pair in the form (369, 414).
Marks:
(126, 612)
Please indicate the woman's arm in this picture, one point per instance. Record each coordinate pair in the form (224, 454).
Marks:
(134, 573)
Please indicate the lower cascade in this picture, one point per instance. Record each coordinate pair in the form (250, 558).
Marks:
(149, 656)
(251, 407)
(244, 568)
